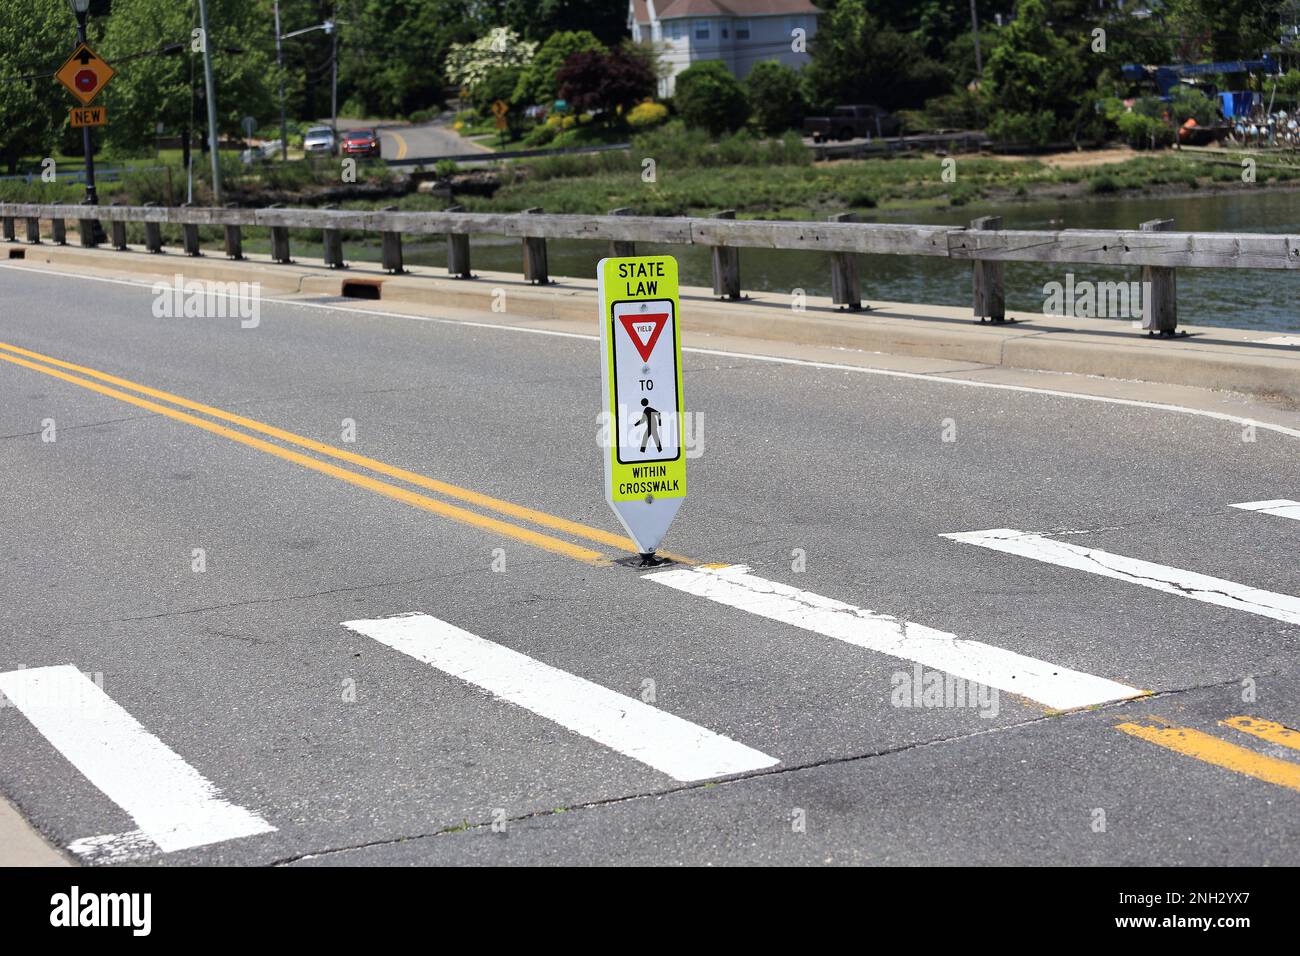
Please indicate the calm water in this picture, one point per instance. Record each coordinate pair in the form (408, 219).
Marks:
(1242, 298)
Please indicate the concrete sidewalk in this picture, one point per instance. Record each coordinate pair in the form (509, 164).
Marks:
(1263, 364)
(20, 845)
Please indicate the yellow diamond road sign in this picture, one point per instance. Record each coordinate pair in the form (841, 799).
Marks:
(645, 454)
(85, 74)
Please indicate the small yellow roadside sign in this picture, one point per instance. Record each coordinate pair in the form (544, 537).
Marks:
(84, 74)
(88, 116)
(645, 454)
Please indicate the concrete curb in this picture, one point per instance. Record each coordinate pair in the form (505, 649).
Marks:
(20, 845)
(1265, 364)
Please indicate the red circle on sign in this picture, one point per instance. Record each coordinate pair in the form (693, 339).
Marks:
(86, 80)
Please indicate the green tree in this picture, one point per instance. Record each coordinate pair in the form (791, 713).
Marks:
(538, 19)
(1036, 79)
(860, 58)
(1191, 103)
(1223, 29)
(708, 97)
(169, 89)
(537, 83)
(775, 96)
(393, 52)
(498, 84)
(35, 37)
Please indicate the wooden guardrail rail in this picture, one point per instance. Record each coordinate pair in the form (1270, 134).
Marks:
(1153, 247)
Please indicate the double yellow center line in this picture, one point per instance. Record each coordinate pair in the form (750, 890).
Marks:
(1221, 753)
(60, 369)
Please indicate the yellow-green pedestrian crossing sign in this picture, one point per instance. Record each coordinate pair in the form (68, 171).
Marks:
(644, 428)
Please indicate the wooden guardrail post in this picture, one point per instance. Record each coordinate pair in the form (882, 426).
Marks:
(726, 265)
(1159, 289)
(234, 238)
(458, 251)
(8, 226)
(391, 246)
(153, 235)
(535, 264)
(34, 230)
(58, 229)
(846, 288)
(190, 236)
(117, 230)
(333, 243)
(620, 248)
(280, 241)
(87, 233)
(988, 279)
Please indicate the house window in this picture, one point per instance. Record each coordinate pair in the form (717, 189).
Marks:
(677, 28)
(723, 28)
(742, 29)
(701, 29)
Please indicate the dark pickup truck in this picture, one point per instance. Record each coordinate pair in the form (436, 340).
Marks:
(850, 122)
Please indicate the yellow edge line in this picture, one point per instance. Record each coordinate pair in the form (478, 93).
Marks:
(1269, 730)
(546, 542)
(452, 491)
(1220, 753)
(401, 144)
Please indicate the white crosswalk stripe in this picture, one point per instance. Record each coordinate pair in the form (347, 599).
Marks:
(1147, 574)
(677, 747)
(1281, 508)
(174, 806)
(1050, 684)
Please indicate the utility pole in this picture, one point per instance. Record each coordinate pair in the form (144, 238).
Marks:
(279, 61)
(332, 29)
(975, 29)
(213, 141)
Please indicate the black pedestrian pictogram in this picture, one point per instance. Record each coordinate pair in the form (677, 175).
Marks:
(650, 417)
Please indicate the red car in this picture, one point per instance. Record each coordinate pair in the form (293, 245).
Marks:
(361, 142)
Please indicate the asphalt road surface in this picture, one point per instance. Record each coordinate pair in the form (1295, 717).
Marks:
(436, 138)
(428, 139)
(210, 529)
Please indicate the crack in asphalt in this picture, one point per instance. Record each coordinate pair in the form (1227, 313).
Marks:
(73, 428)
(1180, 588)
(466, 827)
(272, 600)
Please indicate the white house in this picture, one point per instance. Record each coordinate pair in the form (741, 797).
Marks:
(740, 33)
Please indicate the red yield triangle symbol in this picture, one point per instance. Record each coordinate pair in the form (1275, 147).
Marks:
(646, 345)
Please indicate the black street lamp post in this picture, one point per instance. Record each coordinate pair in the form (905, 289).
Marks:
(80, 8)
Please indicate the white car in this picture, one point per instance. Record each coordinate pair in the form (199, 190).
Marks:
(319, 139)
(260, 152)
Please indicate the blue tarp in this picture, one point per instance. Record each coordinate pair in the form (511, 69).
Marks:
(1240, 103)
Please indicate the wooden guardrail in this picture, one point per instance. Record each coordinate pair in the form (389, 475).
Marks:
(1153, 247)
